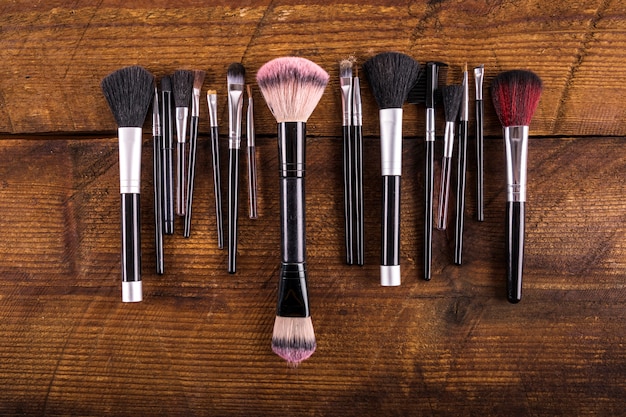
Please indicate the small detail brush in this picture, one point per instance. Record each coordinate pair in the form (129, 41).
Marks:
(451, 96)
(157, 176)
(198, 80)
(515, 96)
(236, 80)
(292, 87)
(128, 92)
(182, 84)
(167, 155)
(391, 76)
(252, 175)
(357, 189)
(480, 198)
(460, 173)
(345, 82)
(211, 98)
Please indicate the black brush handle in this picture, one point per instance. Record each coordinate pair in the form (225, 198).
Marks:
(181, 177)
(167, 163)
(217, 185)
(131, 237)
(347, 193)
(460, 194)
(233, 208)
(359, 213)
(480, 198)
(157, 176)
(252, 183)
(444, 193)
(515, 216)
(429, 184)
(390, 249)
(191, 174)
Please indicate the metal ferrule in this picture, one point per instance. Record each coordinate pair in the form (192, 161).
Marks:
(448, 140)
(391, 141)
(478, 78)
(132, 292)
(516, 147)
(250, 123)
(464, 117)
(130, 159)
(235, 110)
(357, 106)
(390, 275)
(182, 113)
(212, 103)
(195, 103)
(346, 99)
(156, 115)
(430, 124)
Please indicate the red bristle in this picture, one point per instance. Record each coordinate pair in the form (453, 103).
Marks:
(515, 96)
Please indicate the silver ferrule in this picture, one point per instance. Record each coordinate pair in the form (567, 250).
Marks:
(156, 117)
(479, 72)
(448, 140)
(235, 110)
(346, 99)
(130, 159)
(195, 103)
(212, 103)
(182, 113)
(464, 117)
(250, 123)
(391, 141)
(132, 291)
(516, 147)
(357, 106)
(390, 275)
(430, 124)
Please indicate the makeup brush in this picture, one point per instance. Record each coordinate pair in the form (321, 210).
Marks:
(128, 92)
(236, 80)
(198, 80)
(157, 176)
(460, 172)
(250, 136)
(515, 96)
(357, 189)
(182, 84)
(451, 96)
(167, 155)
(211, 98)
(391, 75)
(345, 82)
(480, 198)
(292, 87)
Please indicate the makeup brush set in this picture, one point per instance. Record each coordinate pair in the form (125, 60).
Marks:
(292, 88)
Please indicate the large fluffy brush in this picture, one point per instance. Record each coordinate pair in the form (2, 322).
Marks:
(515, 97)
(182, 85)
(128, 92)
(292, 87)
(391, 76)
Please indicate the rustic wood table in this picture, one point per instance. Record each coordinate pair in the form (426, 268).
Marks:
(199, 343)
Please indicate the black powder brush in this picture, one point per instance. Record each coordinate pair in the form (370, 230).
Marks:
(182, 84)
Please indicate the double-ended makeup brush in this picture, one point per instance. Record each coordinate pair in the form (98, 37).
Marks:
(515, 96)
(292, 87)
(128, 92)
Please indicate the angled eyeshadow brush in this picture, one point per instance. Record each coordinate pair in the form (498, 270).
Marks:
(211, 98)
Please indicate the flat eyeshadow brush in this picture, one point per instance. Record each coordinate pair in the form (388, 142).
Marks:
(480, 198)
(236, 82)
(182, 84)
(391, 75)
(128, 92)
(451, 96)
(211, 98)
(345, 82)
(167, 158)
(515, 96)
(461, 171)
(252, 175)
(357, 189)
(198, 80)
(157, 181)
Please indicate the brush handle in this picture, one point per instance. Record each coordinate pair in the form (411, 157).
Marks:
(217, 185)
(233, 207)
(252, 181)
(480, 204)
(429, 182)
(357, 190)
(390, 249)
(460, 193)
(167, 163)
(347, 193)
(444, 193)
(157, 176)
(131, 247)
(181, 177)
(515, 216)
(191, 174)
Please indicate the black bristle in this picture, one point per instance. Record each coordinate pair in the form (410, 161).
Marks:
(166, 83)
(236, 74)
(129, 93)
(417, 94)
(182, 85)
(391, 76)
(452, 96)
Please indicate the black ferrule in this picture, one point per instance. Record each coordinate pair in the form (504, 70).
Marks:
(191, 174)
(359, 221)
(131, 237)
(166, 120)
(217, 185)
(429, 183)
(291, 149)
(181, 178)
(293, 297)
(480, 198)
(233, 207)
(168, 192)
(460, 194)
(515, 218)
(432, 70)
(157, 176)
(348, 202)
(390, 249)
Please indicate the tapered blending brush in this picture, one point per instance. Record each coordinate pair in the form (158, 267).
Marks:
(292, 87)
(357, 191)
(167, 151)
(460, 173)
(391, 75)
(451, 96)
(345, 82)
(182, 84)
(236, 81)
(128, 92)
(157, 176)
(198, 80)
(250, 136)
(515, 96)
(211, 98)
(480, 199)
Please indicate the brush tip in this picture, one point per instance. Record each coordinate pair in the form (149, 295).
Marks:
(198, 79)
(293, 339)
(391, 75)
(128, 92)
(182, 84)
(515, 96)
(451, 95)
(236, 73)
(211, 92)
(166, 83)
(249, 90)
(345, 68)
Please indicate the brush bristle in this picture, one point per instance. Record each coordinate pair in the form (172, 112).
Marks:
(451, 95)
(417, 94)
(236, 74)
(291, 87)
(293, 339)
(166, 83)
(345, 68)
(129, 92)
(198, 79)
(515, 96)
(182, 84)
(209, 92)
(391, 76)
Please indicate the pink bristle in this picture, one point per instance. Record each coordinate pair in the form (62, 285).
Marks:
(515, 96)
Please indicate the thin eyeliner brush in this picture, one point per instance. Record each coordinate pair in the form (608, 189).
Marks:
(182, 83)
(345, 82)
(480, 198)
(252, 175)
(167, 151)
(211, 98)
(357, 139)
(461, 169)
(157, 176)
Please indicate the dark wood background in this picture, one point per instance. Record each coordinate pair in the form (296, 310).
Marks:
(199, 343)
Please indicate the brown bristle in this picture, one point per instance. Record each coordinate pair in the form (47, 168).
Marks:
(515, 96)
(198, 79)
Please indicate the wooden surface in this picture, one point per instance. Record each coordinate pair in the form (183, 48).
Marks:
(199, 344)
